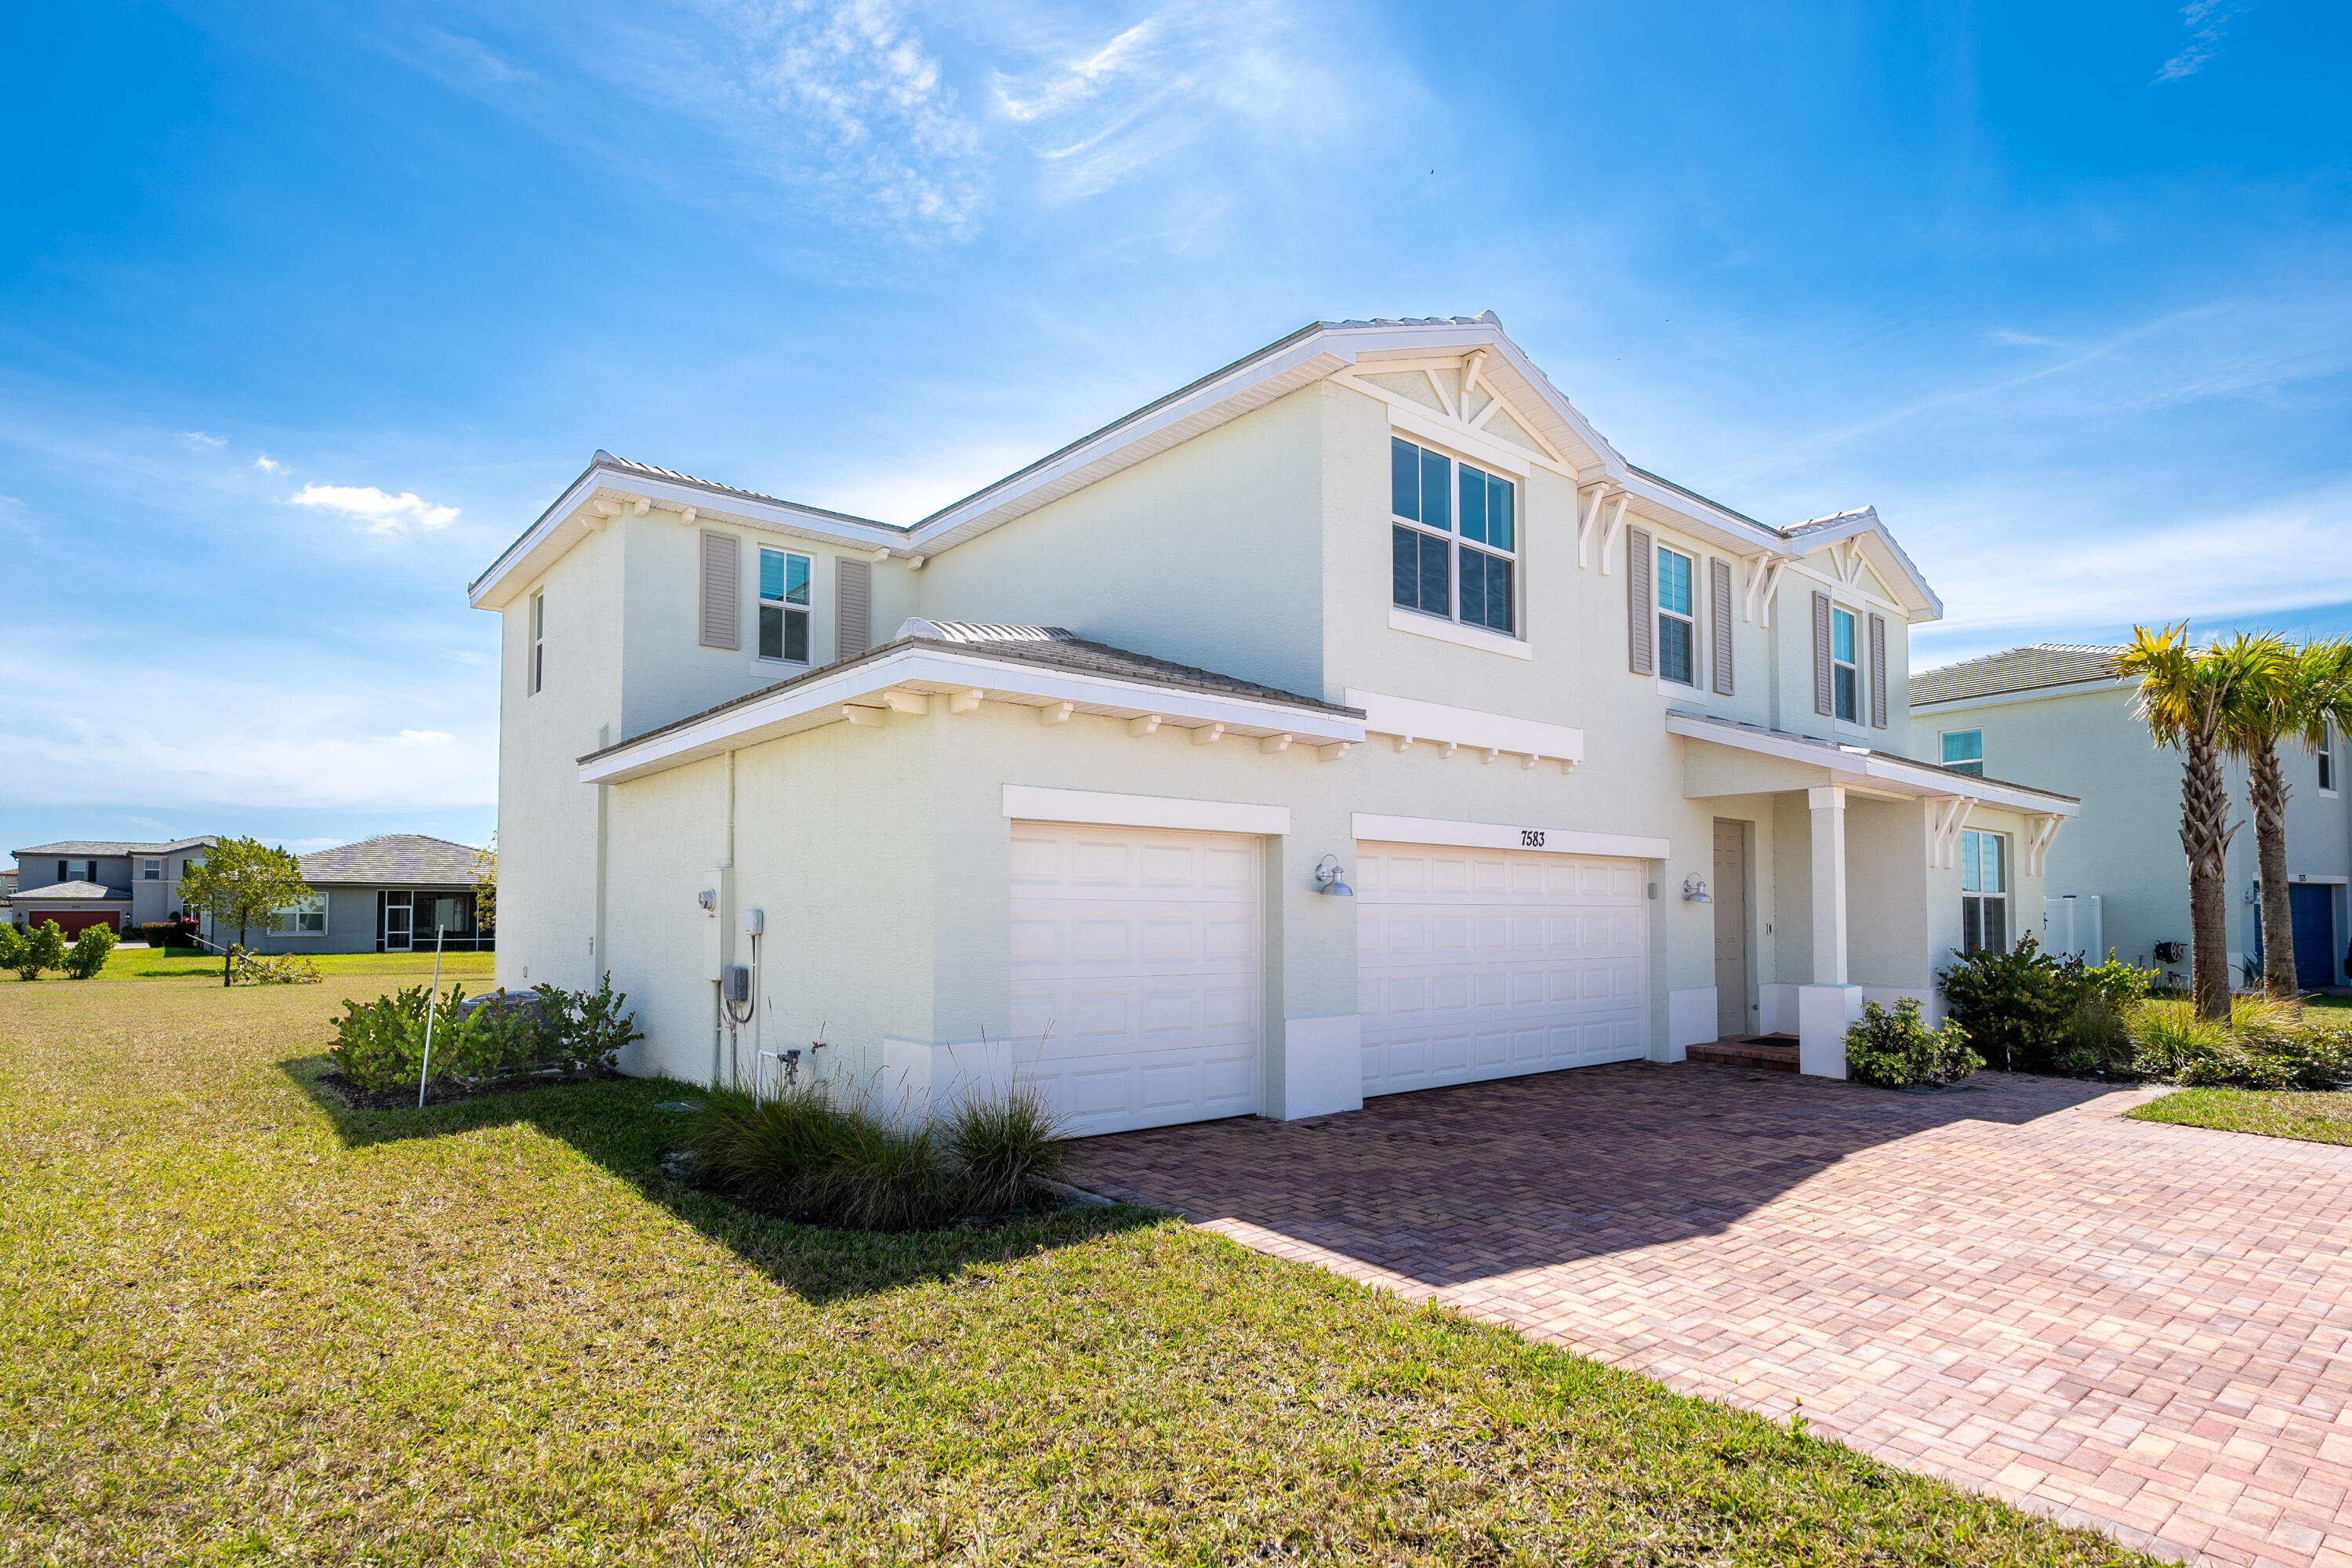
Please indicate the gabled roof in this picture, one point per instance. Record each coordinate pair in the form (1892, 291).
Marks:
(2014, 669)
(64, 893)
(392, 858)
(88, 848)
(1888, 559)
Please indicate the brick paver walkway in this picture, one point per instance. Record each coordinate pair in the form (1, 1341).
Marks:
(2138, 1327)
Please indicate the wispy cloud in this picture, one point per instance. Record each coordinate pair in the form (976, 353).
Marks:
(374, 511)
(268, 464)
(2208, 22)
(203, 440)
(2024, 340)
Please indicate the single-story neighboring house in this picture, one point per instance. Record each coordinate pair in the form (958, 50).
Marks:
(386, 894)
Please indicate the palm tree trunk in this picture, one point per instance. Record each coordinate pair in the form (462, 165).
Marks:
(2267, 784)
(2205, 834)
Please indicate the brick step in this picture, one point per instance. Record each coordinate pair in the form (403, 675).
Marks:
(1771, 1053)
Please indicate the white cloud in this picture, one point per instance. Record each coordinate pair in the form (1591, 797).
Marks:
(202, 441)
(268, 464)
(374, 511)
(2208, 22)
(2024, 340)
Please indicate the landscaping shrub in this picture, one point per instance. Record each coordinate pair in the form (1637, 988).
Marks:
(808, 1156)
(35, 949)
(1896, 1049)
(87, 955)
(380, 1045)
(2267, 1044)
(277, 969)
(158, 934)
(2033, 1012)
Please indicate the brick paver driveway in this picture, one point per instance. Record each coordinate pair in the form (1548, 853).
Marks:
(2121, 1323)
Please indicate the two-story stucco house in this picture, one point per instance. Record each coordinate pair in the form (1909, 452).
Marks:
(1351, 720)
(84, 883)
(2053, 713)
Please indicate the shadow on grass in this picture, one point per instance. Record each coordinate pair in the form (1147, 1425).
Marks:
(619, 1125)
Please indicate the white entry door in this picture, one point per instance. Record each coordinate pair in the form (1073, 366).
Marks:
(1137, 955)
(1476, 963)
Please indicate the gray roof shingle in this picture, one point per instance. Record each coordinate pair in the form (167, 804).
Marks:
(2015, 670)
(60, 893)
(87, 847)
(392, 859)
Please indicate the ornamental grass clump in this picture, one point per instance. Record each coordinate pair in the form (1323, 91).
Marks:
(1897, 1049)
(2267, 1044)
(809, 1156)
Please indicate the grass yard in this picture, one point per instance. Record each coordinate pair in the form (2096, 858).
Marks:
(2320, 1116)
(149, 964)
(239, 1326)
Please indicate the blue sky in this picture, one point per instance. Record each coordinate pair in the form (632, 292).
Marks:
(306, 311)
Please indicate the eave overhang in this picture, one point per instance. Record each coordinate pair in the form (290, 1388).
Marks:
(898, 683)
(1866, 771)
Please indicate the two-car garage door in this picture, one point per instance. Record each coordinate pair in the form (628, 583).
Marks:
(1137, 957)
(1477, 964)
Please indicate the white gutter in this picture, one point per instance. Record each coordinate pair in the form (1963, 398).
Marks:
(1871, 770)
(867, 687)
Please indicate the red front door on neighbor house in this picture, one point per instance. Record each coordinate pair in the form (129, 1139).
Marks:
(73, 923)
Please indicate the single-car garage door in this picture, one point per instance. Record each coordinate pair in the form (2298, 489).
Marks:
(1476, 963)
(1136, 953)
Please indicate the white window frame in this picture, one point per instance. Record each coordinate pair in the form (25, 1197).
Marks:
(1850, 668)
(1972, 842)
(535, 673)
(293, 916)
(151, 871)
(1455, 543)
(784, 607)
(2327, 765)
(1973, 766)
(1689, 618)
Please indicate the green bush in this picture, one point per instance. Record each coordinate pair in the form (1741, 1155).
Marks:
(380, 1045)
(158, 934)
(2267, 1044)
(1894, 1049)
(2033, 1012)
(10, 938)
(35, 949)
(808, 1156)
(87, 955)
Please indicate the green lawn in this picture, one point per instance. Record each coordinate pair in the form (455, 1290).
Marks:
(2315, 1116)
(239, 1326)
(151, 964)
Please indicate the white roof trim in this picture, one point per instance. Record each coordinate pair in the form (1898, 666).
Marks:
(1864, 768)
(1893, 565)
(810, 704)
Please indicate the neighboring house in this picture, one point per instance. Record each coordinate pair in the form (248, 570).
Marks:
(1610, 770)
(2052, 714)
(388, 894)
(87, 882)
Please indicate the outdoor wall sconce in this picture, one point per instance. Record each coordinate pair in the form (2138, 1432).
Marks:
(1695, 892)
(1327, 874)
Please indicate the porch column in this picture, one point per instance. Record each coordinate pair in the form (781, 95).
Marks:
(1827, 1006)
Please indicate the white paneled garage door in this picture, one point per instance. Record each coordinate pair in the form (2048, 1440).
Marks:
(1136, 953)
(1476, 963)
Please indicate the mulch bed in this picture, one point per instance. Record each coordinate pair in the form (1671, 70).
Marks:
(446, 1092)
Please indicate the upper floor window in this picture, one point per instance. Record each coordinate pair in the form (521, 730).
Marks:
(2327, 760)
(536, 671)
(1449, 560)
(1964, 750)
(151, 871)
(1846, 671)
(783, 605)
(1984, 892)
(1677, 628)
(77, 870)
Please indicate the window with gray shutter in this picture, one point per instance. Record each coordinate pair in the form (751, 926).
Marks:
(1641, 603)
(852, 606)
(1719, 574)
(1822, 696)
(1878, 672)
(722, 574)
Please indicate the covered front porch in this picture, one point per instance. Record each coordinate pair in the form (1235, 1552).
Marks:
(1843, 875)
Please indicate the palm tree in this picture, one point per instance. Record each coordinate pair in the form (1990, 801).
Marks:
(2190, 698)
(2301, 693)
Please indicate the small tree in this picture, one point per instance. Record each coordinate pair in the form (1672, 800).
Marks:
(243, 883)
(41, 947)
(486, 885)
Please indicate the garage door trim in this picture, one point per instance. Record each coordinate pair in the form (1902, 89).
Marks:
(1507, 835)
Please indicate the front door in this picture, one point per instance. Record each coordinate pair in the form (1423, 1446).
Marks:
(2313, 906)
(396, 937)
(1731, 976)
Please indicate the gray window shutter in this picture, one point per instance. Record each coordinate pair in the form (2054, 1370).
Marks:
(1641, 602)
(1878, 672)
(1719, 590)
(722, 577)
(852, 606)
(1823, 700)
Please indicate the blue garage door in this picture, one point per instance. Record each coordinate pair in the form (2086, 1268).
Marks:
(2315, 934)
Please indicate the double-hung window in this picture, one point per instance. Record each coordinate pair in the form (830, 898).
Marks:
(537, 673)
(151, 871)
(1964, 750)
(1454, 539)
(1984, 892)
(1677, 629)
(308, 918)
(783, 605)
(1845, 672)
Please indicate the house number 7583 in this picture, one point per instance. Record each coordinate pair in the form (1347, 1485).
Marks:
(1530, 837)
